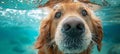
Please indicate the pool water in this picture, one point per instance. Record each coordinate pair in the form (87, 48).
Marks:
(20, 20)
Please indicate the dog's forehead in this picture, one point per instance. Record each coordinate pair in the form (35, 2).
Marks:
(69, 5)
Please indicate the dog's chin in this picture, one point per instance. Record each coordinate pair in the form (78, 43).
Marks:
(70, 45)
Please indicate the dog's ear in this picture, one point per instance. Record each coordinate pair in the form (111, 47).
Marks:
(98, 33)
(44, 32)
(51, 3)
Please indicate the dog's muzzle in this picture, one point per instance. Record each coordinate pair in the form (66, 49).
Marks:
(72, 35)
(73, 27)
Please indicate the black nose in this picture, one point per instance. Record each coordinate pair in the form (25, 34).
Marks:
(73, 26)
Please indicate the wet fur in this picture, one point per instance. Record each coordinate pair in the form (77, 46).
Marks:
(46, 40)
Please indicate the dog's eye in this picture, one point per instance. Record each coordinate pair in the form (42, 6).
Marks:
(84, 12)
(58, 14)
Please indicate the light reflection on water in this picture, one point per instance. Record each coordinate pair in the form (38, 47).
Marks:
(19, 26)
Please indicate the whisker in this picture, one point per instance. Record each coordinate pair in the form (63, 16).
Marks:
(50, 44)
(95, 38)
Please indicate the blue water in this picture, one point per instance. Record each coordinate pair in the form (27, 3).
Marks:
(20, 20)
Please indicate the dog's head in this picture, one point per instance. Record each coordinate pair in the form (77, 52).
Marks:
(71, 26)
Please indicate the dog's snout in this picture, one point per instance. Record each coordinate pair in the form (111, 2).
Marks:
(73, 25)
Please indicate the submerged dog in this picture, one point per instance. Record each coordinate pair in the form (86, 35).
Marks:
(71, 27)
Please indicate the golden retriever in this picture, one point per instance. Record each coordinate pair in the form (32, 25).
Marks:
(70, 28)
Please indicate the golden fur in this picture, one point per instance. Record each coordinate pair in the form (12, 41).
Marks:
(49, 25)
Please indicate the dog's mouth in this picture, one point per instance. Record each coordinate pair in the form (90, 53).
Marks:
(72, 43)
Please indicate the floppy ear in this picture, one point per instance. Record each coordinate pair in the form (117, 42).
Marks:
(44, 32)
(98, 33)
(51, 3)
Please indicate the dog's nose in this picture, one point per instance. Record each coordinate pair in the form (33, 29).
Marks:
(73, 26)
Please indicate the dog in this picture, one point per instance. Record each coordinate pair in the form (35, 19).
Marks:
(70, 28)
